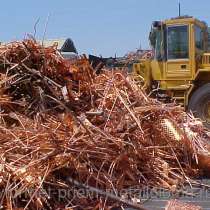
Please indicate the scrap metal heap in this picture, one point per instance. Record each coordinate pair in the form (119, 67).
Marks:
(176, 205)
(65, 128)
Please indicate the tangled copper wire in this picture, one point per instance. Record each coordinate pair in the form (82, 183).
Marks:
(61, 124)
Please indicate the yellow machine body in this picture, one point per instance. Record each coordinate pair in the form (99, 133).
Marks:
(178, 77)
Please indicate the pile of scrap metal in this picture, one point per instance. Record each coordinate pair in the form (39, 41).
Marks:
(125, 62)
(71, 139)
(139, 54)
(177, 205)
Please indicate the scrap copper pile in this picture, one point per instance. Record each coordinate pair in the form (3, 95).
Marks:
(32, 75)
(139, 54)
(65, 129)
(176, 205)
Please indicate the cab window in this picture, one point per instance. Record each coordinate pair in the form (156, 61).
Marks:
(199, 38)
(177, 42)
(158, 55)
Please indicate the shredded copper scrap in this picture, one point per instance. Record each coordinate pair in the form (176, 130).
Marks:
(32, 75)
(61, 122)
(177, 205)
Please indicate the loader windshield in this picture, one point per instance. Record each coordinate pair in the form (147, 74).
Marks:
(208, 39)
(177, 42)
(158, 55)
(156, 40)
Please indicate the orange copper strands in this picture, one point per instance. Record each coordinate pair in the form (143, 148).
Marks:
(59, 121)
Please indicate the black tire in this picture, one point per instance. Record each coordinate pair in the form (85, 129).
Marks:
(199, 104)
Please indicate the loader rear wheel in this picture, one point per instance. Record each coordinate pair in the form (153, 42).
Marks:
(200, 104)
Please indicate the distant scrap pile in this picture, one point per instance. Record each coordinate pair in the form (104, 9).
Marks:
(129, 59)
(139, 54)
(65, 128)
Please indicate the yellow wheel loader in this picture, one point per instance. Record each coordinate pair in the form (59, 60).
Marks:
(180, 66)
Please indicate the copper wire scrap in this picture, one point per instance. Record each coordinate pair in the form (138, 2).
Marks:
(59, 121)
(176, 205)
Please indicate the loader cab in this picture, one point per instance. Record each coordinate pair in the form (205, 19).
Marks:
(177, 45)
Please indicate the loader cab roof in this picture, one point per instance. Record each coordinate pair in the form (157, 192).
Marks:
(185, 20)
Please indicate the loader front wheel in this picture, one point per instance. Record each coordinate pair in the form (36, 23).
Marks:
(199, 104)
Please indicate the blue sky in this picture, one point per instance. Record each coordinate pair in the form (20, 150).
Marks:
(98, 27)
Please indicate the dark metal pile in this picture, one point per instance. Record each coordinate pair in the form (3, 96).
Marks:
(66, 130)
